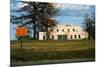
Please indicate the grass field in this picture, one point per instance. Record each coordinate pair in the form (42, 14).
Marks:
(35, 50)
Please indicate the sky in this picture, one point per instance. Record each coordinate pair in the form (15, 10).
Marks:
(68, 13)
(74, 13)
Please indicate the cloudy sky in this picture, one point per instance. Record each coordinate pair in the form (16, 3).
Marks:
(73, 14)
(68, 13)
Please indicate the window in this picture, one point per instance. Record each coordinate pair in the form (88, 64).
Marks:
(51, 30)
(57, 30)
(43, 37)
(79, 36)
(52, 37)
(71, 37)
(68, 30)
(75, 36)
(60, 37)
(62, 30)
(64, 37)
(73, 29)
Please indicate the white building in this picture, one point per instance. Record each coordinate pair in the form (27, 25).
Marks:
(64, 32)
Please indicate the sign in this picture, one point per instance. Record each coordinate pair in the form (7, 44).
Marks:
(21, 31)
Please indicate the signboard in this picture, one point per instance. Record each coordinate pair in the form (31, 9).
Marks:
(21, 31)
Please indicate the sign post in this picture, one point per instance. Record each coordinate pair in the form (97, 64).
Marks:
(21, 32)
(21, 42)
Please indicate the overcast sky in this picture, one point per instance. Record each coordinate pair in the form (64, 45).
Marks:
(68, 14)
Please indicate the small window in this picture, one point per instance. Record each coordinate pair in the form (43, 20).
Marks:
(57, 30)
(52, 37)
(79, 36)
(71, 36)
(75, 36)
(51, 30)
(68, 30)
(43, 37)
(62, 30)
(73, 29)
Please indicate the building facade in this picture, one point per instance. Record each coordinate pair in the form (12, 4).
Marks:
(64, 32)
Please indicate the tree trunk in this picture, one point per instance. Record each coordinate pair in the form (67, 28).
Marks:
(34, 33)
(47, 35)
(90, 36)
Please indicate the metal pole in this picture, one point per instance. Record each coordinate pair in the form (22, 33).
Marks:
(21, 42)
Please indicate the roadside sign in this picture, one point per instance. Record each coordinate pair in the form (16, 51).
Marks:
(21, 31)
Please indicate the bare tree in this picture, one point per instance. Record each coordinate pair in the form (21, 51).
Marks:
(89, 23)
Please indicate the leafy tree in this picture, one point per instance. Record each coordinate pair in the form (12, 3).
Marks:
(33, 15)
(48, 23)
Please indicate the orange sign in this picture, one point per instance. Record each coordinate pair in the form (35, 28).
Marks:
(21, 31)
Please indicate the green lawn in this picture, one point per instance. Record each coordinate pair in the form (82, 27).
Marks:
(35, 50)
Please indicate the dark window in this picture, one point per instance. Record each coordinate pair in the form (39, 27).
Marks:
(73, 29)
(74, 36)
(43, 37)
(57, 30)
(52, 37)
(71, 36)
(60, 37)
(68, 30)
(64, 37)
(62, 30)
(79, 36)
(51, 30)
